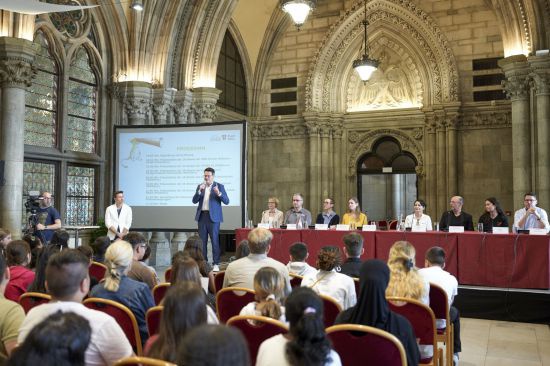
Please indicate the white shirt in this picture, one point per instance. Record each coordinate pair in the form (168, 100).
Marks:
(301, 269)
(250, 309)
(424, 221)
(531, 221)
(206, 199)
(443, 279)
(108, 343)
(336, 285)
(121, 221)
(272, 352)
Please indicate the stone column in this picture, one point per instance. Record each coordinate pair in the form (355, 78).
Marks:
(516, 86)
(314, 171)
(339, 171)
(441, 188)
(136, 97)
(160, 250)
(396, 197)
(325, 166)
(16, 73)
(178, 242)
(205, 100)
(182, 106)
(162, 104)
(431, 173)
(540, 66)
(452, 153)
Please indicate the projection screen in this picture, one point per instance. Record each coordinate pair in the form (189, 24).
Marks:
(160, 167)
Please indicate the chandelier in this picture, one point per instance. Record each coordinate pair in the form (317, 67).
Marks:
(365, 65)
(298, 10)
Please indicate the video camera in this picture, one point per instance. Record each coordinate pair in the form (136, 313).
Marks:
(33, 202)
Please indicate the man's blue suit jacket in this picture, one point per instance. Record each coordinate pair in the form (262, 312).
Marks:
(215, 204)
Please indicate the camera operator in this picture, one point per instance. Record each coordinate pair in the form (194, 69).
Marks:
(49, 219)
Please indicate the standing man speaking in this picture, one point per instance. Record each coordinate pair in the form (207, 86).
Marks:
(210, 196)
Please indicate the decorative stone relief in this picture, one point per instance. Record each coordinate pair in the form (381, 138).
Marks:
(489, 119)
(16, 73)
(278, 131)
(205, 111)
(516, 87)
(137, 108)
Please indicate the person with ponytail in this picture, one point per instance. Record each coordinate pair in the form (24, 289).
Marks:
(119, 287)
(269, 288)
(306, 343)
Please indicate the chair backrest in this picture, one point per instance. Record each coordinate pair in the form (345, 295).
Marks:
(421, 318)
(168, 275)
(257, 329)
(218, 280)
(29, 300)
(159, 291)
(142, 361)
(230, 301)
(357, 286)
(357, 343)
(331, 311)
(123, 316)
(392, 225)
(295, 280)
(152, 319)
(382, 225)
(97, 270)
(439, 302)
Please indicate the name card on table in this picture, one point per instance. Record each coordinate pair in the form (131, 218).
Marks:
(291, 226)
(342, 227)
(264, 225)
(369, 227)
(500, 230)
(321, 226)
(536, 231)
(456, 229)
(419, 228)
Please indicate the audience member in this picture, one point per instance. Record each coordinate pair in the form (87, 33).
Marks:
(493, 215)
(328, 216)
(269, 287)
(272, 216)
(5, 238)
(418, 219)
(89, 253)
(373, 310)
(306, 342)
(68, 283)
(100, 246)
(184, 307)
(531, 216)
(434, 273)
(354, 217)
(240, 273)
(59, 340)
(193, 248)
(11, 315)
(353, 249)
(39, 282)
(328, 282)
(36, 246)
(139, 271)
(18, 257)
(119, 287)
(144, 259)
(213, 345)
(242, 251)
(455, 216)
(298, 265)
(61, 238)
(298, 214)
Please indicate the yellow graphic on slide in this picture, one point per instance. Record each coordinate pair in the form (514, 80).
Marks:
(135, 153)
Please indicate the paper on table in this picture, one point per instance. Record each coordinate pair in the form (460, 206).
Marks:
(35, 7)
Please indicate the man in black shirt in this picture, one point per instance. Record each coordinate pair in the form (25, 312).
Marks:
(353, 248)
(456, 217)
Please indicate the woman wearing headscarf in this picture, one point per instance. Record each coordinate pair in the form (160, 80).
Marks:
(373, 310)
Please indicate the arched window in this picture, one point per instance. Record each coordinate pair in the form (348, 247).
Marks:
(230, 77)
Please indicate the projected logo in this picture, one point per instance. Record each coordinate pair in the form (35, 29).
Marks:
(135, 150)
(224, 137)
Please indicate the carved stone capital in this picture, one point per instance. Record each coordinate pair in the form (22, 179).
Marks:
(137, 108)
(516, 87)
(312, 128)
(204, 103)
(16, 62)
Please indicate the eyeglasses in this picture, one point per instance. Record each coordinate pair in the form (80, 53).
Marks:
(529, 200)
(296, 200)
(327, 202)
(271, 202)
(143, 246)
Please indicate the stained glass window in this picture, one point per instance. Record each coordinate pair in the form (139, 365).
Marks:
(230, 77)
(81, 127)
(41, 99)
(37, 176)
(80, 195)
(68, 22)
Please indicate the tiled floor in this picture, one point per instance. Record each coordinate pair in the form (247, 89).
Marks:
(498, 343)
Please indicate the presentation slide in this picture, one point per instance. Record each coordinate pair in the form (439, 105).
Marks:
(160, 167)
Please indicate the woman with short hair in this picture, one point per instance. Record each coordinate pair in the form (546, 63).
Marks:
(273, 216)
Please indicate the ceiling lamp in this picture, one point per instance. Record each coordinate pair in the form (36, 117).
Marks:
(365, 65)
(298, 10)
(137, 5)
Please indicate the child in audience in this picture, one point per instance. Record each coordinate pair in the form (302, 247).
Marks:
(298, 265)
(184, 307)
(306, 342)
(18, 257)
(269, 287)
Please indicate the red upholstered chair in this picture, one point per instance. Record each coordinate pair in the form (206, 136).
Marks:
(332, 309)
(382, 225)
(257, 329)
(168, 275)
(296, 280)
(142, 361)
(123, 316)
(29, 300)
(218, 280)
(152, 319)
(230, 301)
(97, 270)
(159, 291)
(440, 306)
(357, 344)
(393, 225)
(422, 320)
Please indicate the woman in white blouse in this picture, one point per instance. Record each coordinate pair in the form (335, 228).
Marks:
(419, 220)
(272, 215)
